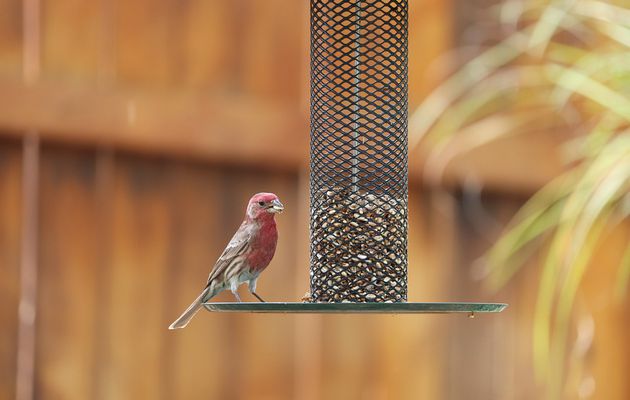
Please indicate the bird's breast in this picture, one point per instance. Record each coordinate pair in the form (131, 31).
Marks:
(263, 247)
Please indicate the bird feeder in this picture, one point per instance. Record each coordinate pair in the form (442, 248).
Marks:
(358, 216)
(358, 164)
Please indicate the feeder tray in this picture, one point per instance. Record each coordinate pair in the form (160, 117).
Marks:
(357, 308)
(358, 165)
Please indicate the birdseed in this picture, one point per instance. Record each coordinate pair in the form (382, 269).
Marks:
(358, 248)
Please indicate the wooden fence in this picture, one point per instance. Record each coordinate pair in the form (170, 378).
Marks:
(154, 121)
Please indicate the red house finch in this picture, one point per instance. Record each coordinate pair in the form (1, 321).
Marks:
(249, 252)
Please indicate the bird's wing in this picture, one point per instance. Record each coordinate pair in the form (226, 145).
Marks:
(233, 253)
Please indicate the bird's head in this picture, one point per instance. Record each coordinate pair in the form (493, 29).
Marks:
(264, 205)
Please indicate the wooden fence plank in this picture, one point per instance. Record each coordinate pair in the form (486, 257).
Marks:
(273, 47)
(342, 357)
(11, 38)
(196, 365)
(607, 359)
(206, 48)
(70, 40)
(141, 233)
(67, 302)
(10, 228)
(144, 51)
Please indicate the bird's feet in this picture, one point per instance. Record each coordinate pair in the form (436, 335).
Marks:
(258, 297)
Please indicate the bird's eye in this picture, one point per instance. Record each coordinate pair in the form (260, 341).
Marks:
(261, 203)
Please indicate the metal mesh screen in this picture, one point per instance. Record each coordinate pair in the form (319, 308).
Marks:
(358, 150)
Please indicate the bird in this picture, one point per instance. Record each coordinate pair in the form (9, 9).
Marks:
(247, 254)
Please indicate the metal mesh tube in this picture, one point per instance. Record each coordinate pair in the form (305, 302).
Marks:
(358, 221)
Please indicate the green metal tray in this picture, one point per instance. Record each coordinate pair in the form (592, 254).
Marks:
(357, 308)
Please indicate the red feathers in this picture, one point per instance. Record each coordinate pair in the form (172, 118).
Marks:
(263, 245)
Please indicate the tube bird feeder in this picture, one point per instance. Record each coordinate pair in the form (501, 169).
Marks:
(358, 165)
(358, 217)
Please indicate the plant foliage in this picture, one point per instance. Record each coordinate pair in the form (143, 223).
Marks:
(559, 66)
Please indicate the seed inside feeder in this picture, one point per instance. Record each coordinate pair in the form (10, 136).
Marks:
(357, 248)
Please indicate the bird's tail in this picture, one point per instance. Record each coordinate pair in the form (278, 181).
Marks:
(190, 312)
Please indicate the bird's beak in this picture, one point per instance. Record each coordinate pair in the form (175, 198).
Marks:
(276, 207)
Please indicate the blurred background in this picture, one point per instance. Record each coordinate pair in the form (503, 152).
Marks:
(132, 134)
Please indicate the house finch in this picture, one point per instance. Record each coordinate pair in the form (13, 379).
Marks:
(249, 252)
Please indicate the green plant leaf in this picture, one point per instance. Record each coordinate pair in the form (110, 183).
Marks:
(476, 70)
(604, 11)
(582, 84)
(547, 25)
(584, 199)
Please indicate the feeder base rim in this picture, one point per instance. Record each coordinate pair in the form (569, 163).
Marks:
(356, 308)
